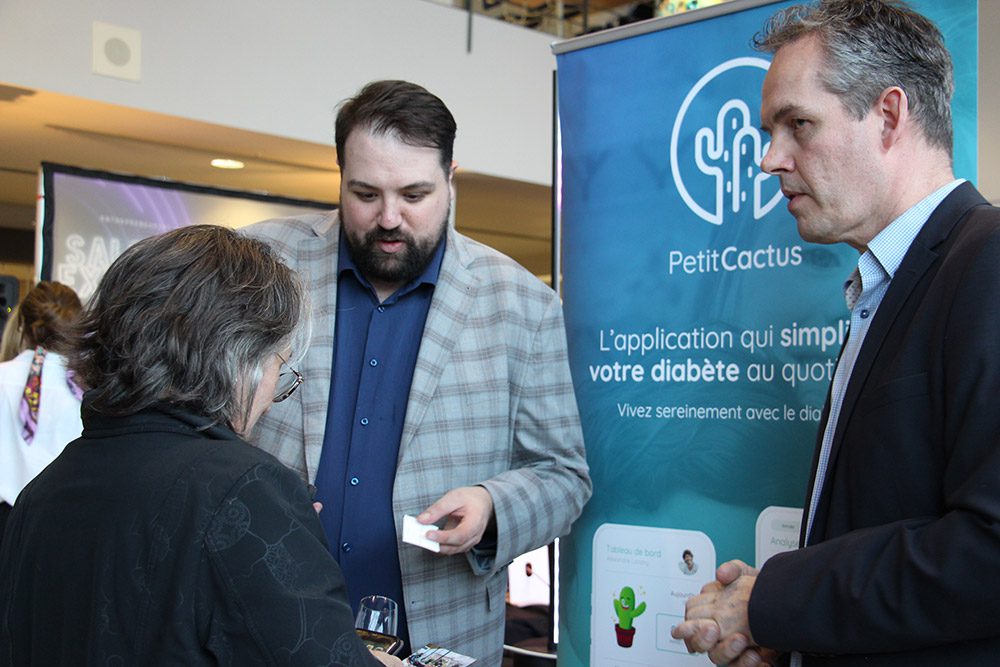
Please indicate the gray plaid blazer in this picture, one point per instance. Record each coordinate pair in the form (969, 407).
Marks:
(491, 403)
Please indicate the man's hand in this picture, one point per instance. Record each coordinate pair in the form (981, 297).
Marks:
(469, 510)
(717, 621)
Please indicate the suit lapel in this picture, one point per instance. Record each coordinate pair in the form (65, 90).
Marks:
(315, 255)
(452, 301)
(919, 258)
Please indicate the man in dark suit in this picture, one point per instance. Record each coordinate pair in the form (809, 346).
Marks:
(901, 531)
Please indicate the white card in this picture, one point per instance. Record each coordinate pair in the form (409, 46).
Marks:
(415, 532)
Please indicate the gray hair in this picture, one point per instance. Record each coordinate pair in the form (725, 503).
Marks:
(188, 318)
(872, 45)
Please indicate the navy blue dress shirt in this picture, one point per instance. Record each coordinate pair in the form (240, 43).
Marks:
(374, 353)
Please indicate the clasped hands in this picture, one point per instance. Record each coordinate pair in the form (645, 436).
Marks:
(717, 620)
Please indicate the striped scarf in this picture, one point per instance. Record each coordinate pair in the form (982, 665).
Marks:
(32, 396)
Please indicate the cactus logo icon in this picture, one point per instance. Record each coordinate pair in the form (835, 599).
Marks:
(716, 146)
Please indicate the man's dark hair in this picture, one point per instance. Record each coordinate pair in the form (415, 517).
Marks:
(402, 109)
(871, 45)
(187, 318)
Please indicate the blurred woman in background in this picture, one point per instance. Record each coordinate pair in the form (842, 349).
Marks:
(10, 341)
(39, 397)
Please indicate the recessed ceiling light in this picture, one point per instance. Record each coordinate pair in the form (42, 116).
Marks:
(225, 163)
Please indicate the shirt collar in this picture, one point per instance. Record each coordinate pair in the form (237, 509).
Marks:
(886, 251)
(890, 245)
(428, 277)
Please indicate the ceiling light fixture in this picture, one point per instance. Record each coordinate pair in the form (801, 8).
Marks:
(226, 163)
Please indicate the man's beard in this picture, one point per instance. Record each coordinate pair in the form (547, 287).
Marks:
(393, 268)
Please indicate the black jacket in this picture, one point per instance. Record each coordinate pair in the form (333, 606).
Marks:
(899, 567)
(152, 540)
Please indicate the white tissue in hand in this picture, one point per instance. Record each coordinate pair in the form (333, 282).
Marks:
(415, 533)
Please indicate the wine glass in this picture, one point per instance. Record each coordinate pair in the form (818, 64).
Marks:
(377, 613)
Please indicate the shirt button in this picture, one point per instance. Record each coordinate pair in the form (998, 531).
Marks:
(381, 309)
(364, 421)
(355, 481)
(864, 313)
(346, 546)
(373, 362)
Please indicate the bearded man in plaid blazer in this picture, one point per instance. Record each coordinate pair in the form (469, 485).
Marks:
(437, 382)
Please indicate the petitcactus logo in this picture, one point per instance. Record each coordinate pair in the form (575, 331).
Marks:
(716, 149)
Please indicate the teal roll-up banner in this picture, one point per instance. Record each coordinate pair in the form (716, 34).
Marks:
(703, 331)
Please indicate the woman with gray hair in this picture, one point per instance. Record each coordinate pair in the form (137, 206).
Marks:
(160, 536)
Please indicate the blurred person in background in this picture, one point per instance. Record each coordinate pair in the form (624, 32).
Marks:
(39, 398)
(160, 536)
(10, 341)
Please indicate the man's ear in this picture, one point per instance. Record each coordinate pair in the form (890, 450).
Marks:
(893, 107)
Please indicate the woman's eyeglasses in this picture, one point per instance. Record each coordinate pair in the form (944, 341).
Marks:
(288, 382)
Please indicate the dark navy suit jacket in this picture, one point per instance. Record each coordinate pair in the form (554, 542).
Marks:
(902, 564)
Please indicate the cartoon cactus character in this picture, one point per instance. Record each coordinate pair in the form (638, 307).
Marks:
(627, 611)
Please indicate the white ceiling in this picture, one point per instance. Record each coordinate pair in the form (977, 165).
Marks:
(37, 126)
